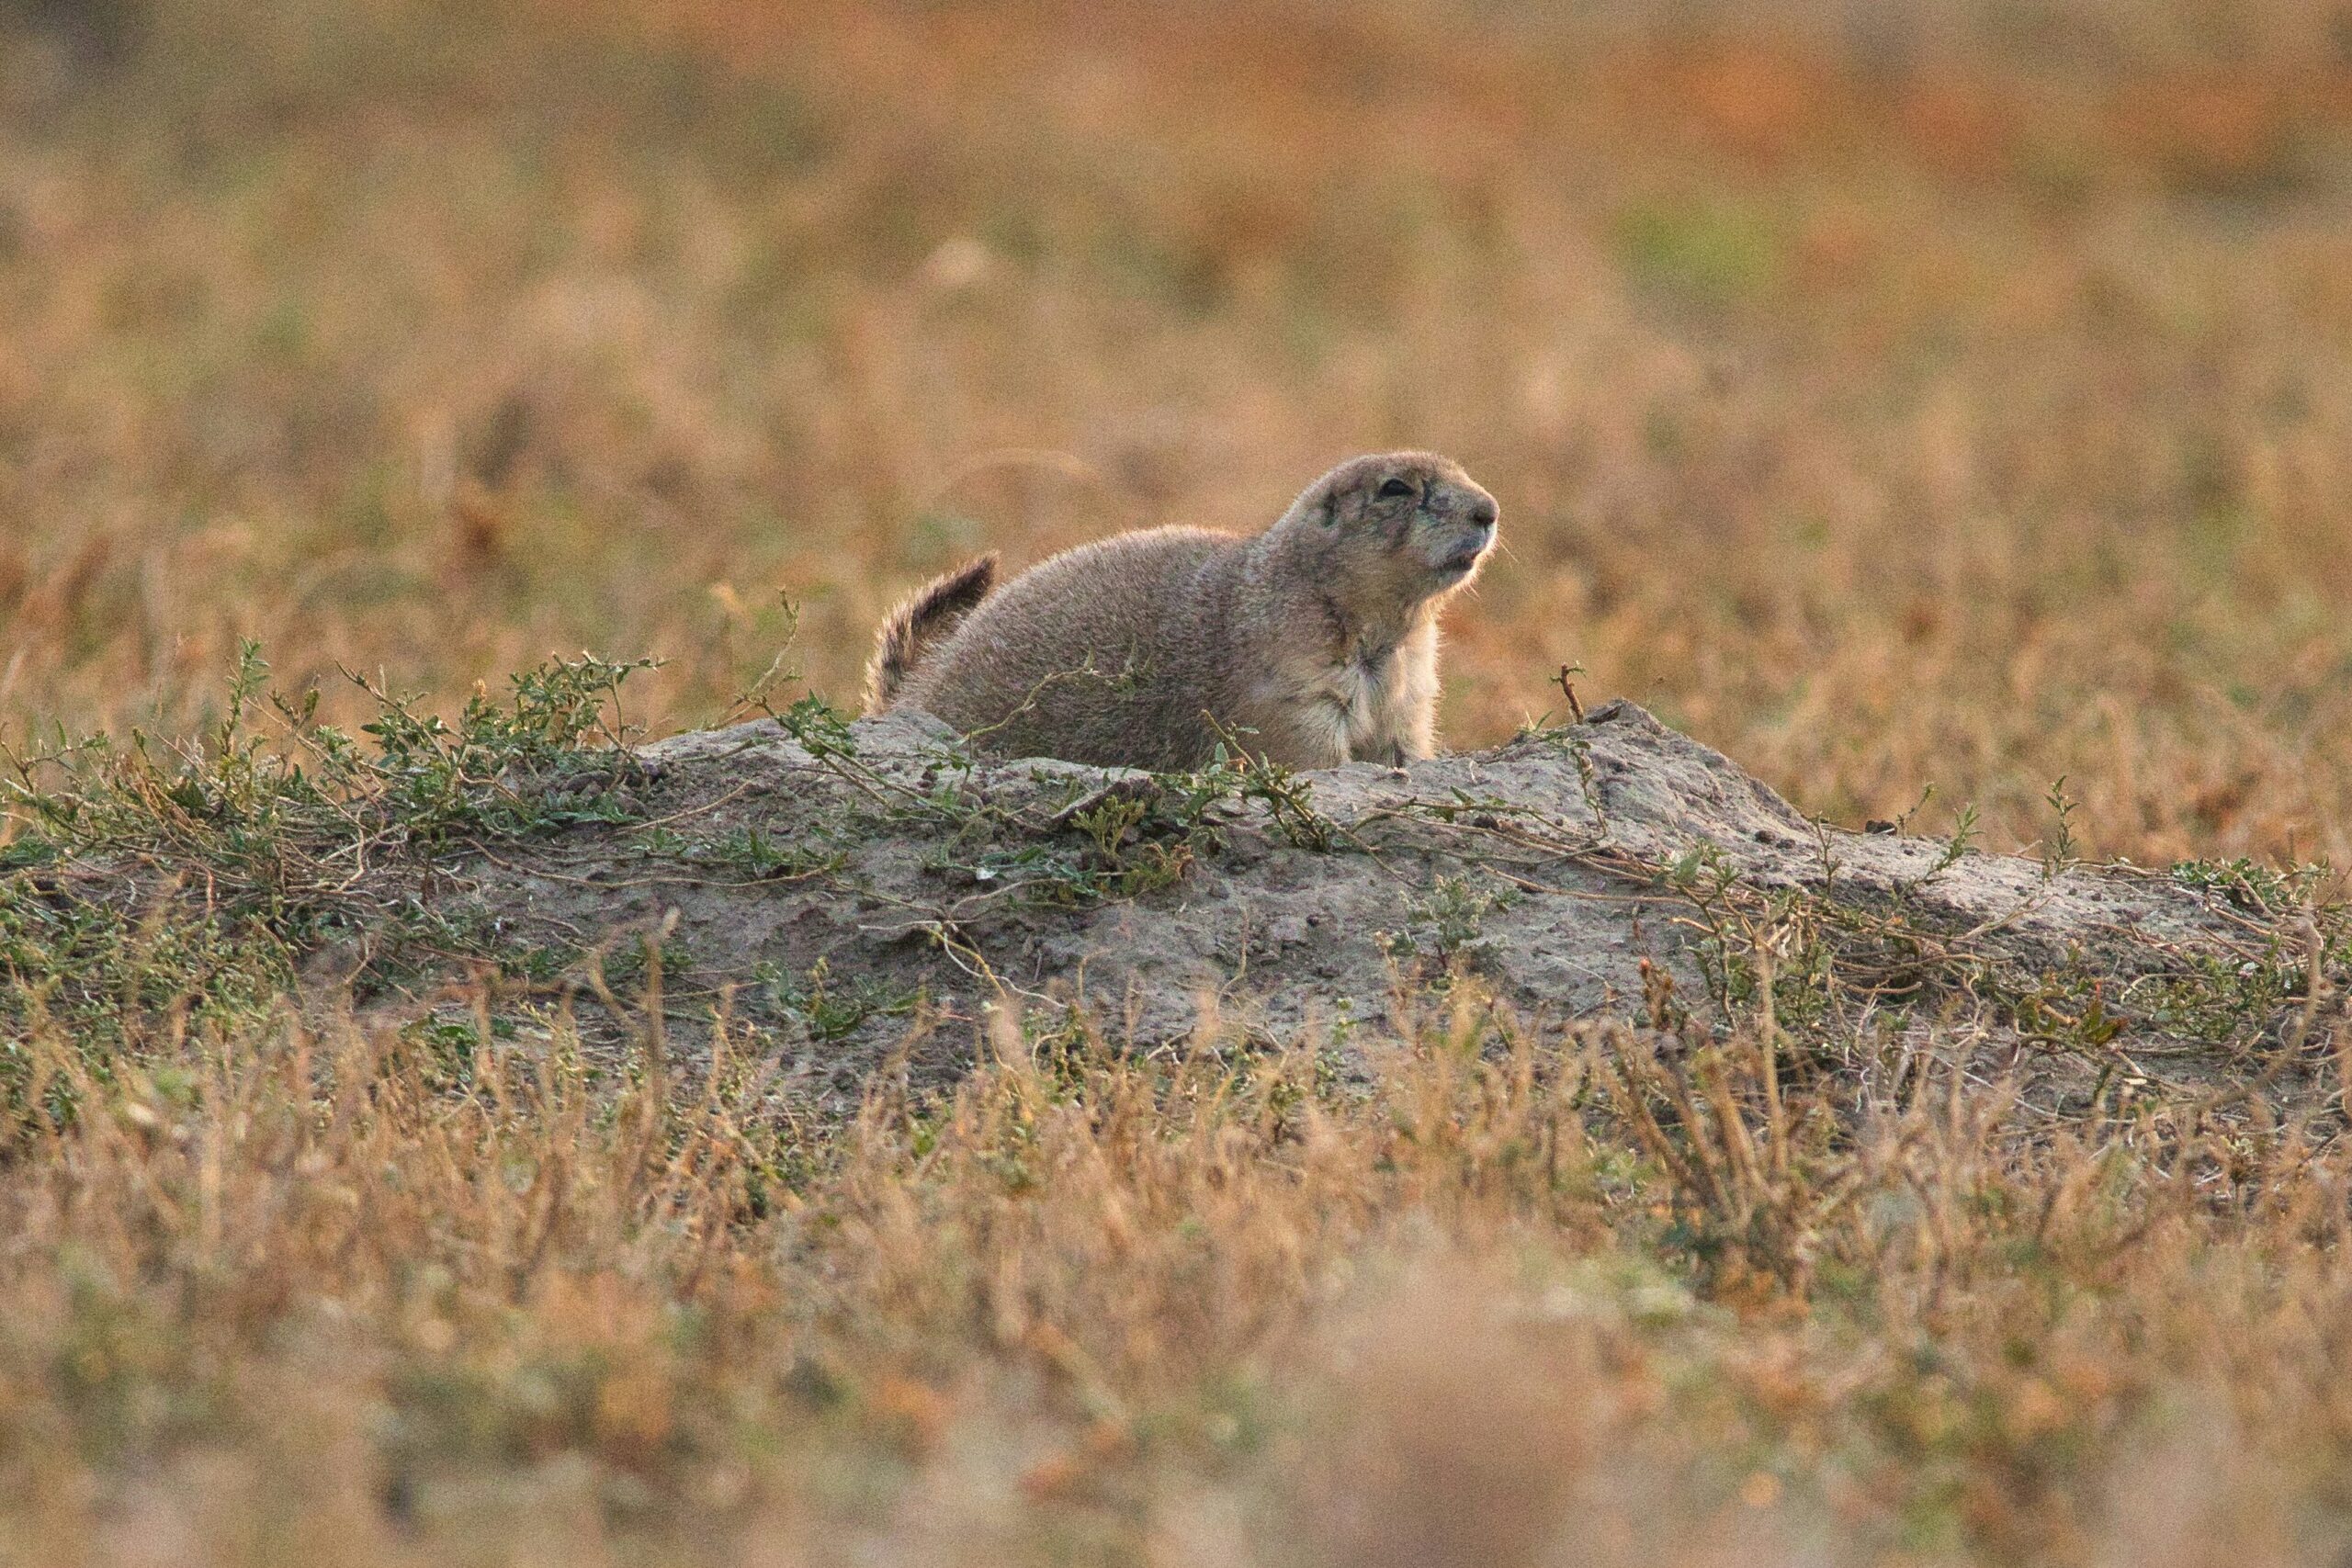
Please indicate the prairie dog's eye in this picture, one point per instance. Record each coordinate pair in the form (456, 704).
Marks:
(1394, 487)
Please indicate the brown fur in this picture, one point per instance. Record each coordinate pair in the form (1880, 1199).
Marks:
(1311, 644)
(920, 619)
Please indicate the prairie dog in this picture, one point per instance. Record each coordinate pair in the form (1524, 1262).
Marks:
(1311, 644)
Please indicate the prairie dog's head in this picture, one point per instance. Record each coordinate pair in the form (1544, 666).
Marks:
(1397, 528)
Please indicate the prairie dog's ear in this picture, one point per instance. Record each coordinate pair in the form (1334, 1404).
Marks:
(1326, 509)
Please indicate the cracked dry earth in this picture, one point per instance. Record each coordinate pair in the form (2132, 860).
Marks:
(869, 894)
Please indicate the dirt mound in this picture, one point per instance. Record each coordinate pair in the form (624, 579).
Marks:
(859, 889)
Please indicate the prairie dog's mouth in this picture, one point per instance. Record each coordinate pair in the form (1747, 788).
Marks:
(1464, 558)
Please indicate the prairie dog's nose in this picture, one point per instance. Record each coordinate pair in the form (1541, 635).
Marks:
(1483, 511)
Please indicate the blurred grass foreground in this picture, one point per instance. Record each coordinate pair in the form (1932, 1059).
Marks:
(1945, 403)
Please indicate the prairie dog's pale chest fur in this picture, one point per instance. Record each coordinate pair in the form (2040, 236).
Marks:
(1369, 708)
(1311, 644)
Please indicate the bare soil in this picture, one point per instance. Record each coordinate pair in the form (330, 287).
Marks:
(870, 895)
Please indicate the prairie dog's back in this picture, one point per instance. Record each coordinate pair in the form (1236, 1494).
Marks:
(1106, 653)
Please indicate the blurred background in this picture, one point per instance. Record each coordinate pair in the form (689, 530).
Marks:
(1953, 393)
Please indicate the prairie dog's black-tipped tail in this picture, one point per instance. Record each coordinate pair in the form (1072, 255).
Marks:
(921, 618)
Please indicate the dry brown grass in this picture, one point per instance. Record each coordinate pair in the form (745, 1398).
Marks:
(1955, 397)
(1892, 410)
(310, 1306)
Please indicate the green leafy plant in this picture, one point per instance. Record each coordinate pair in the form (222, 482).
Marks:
(149, 874)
